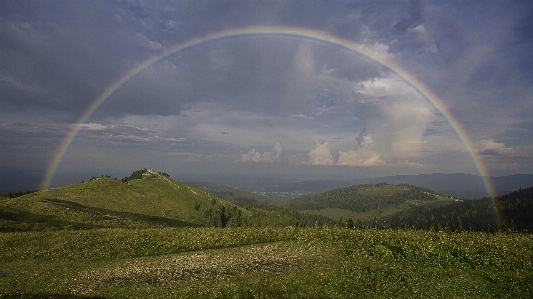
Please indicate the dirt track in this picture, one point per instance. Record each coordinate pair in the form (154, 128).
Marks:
(205, 265)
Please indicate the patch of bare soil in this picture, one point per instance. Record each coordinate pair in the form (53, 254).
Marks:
(206, 265)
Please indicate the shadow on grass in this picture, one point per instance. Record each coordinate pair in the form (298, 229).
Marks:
(26, 221)
(19, 220)
(125, 215)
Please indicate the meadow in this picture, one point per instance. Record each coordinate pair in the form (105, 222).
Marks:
(322, 262)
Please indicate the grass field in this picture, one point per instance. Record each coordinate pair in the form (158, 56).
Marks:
(264, 263)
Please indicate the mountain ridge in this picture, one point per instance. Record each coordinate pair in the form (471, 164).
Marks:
(459, 185)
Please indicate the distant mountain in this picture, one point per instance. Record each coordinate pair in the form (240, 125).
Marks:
(457, 185)
(266, 204)
(228, 193)
(237, 196)
(310, 186)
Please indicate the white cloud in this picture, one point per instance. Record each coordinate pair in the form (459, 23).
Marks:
(396, 116)
(321, 154)
(265, 157)
(359, 158)
(251, 156)
(94, 127)
(378, 49)
(413, 164)
(492, 148)
(277, 150)
(362, 156)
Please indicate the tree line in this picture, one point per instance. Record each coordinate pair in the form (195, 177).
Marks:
(14, 194)
(511, 212)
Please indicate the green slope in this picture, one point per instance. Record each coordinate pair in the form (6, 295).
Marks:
(368, 202)
(145, 199)
(153, 200)
(514, 213)
(263, 206)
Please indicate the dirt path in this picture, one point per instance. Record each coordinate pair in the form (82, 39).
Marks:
(204, 265)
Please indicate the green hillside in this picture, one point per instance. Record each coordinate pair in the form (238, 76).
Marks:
(368, 202)
(262, 207)
(153, 200)
(145, 199)
(476, 214)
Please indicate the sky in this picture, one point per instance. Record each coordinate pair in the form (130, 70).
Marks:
(264, 106)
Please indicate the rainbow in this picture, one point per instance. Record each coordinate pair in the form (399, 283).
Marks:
(278, 32)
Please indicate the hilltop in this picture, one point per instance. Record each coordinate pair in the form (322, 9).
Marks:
(144, 199)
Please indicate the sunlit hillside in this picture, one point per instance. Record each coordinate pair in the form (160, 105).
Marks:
(364, 204)
(153, 200)
(146, 199)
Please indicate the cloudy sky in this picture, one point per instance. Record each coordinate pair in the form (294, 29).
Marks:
(270, 105)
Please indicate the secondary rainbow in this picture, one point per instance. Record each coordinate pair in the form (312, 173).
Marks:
(279, 32)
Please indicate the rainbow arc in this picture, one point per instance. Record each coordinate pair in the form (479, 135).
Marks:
(278, 32)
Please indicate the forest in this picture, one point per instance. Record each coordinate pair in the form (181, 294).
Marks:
(362, 198)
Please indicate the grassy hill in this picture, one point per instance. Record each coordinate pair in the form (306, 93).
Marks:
(153, 200)
(368, 202)
(145, 199)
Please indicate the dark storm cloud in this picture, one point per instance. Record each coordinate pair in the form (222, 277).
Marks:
(414, 19)
(73, 51)
(260, 75)
(26, 146)
(68, 52)
(224, 99)
(523, 37)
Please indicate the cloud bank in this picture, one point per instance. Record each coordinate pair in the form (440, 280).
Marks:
(265, 157)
